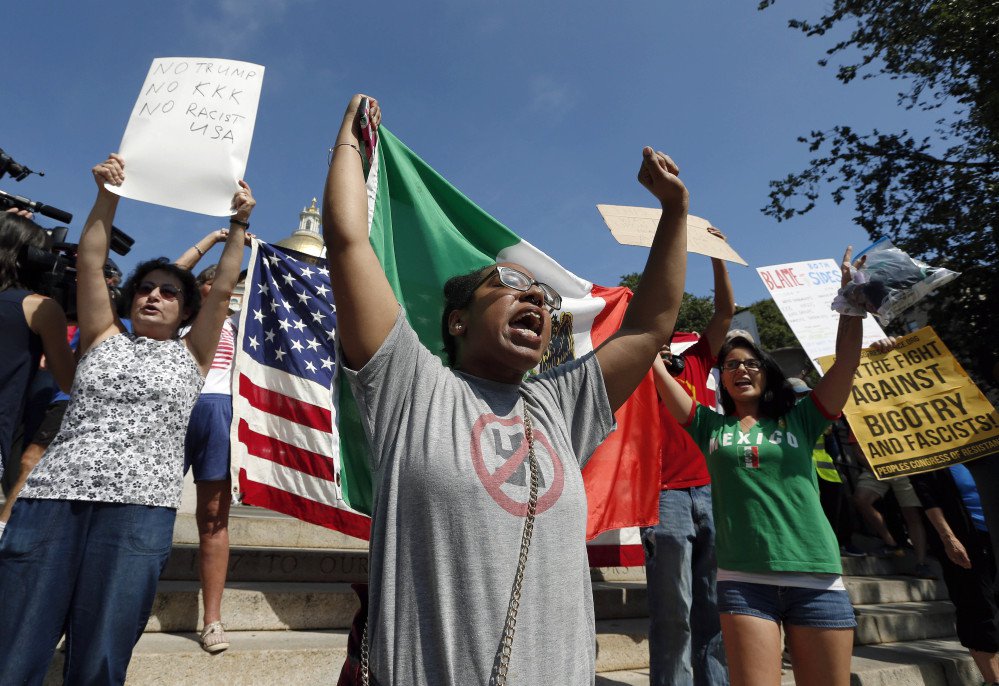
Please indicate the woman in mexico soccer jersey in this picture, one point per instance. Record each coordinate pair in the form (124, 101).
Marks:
(778, 558)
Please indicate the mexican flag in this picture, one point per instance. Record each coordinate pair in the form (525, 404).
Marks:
(424, 231)
(300, 450)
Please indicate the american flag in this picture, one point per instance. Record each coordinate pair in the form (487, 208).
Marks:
(284, 442)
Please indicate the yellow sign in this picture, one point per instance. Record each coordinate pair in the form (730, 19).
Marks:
(914, 409)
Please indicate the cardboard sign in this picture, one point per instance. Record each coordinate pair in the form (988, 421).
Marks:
(637, 226)
(188, 139)
(914, 409)
(804, 292)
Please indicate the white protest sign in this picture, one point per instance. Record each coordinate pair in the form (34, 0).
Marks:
(804, 292)
(188, 139)
(637, 226)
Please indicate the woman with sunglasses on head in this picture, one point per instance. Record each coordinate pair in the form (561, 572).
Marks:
(778, 558)
(476, 468)
(93, 527)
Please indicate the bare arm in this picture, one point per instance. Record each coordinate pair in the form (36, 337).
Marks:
(833, 390)
(627, 355)
(46, 318)
(366, 307)
(203, 338)
(193, 255)
(954, 548)
(95, 313)
(717, 328)
(671, 393)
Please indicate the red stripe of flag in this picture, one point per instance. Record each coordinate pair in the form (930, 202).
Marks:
(616, 555)
(271, 449)
(293, 409)
(273, 498)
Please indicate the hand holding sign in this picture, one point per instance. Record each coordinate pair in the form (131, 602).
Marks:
(188, 138)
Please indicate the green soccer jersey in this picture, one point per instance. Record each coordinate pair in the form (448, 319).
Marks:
(768, 517)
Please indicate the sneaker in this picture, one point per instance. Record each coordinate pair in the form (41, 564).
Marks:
(890, 551)
(852, 551)
(923, 571)
(213, 638)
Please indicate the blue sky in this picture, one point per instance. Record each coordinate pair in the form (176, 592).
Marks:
(537, 111)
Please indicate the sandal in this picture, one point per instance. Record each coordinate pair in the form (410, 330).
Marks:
(213, 638)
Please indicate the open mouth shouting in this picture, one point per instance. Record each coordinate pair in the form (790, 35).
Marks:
(528, 326)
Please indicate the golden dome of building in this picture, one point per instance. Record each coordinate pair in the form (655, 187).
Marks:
(307, 239)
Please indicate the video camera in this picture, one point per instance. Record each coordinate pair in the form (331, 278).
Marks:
(19, 172)
(53, 272)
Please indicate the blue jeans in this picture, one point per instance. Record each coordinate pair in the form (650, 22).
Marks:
(87, 568)
(685, 643)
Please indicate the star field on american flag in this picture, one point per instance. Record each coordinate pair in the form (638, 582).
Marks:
(291, 318)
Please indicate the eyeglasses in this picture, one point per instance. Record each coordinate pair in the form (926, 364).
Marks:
(167, 290)
(519, 281)
(750, 365)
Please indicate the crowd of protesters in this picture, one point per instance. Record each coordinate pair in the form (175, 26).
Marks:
(763, 488)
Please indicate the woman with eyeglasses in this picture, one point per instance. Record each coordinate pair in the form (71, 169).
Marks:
(93, 528)
(478, 567)
(778, 558)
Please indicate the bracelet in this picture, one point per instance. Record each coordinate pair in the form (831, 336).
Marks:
(200, 251)
(240, 222)
(351, 145)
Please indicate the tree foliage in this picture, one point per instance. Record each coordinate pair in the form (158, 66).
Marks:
(695, 310)
(935, 196)
(774, 330)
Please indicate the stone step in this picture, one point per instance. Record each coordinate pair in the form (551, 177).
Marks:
(884, 566)
(253, 530)
(934, 662)
(260, 563)
(249, 563)
(256, 606)
(622, 645)
(872, 590)
(618, 574)
(255, 659)
(303, 606)
(255, 527)
(899, 622)
(630, 677)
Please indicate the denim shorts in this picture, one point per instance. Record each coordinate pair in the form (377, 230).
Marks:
(206, 446)
(791, 605)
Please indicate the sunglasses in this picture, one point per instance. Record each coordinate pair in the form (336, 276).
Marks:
(167, 291)
(750, 365)
(519, 281)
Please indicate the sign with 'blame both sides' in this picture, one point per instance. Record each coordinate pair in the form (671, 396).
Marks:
(188, 138)
(914, 409)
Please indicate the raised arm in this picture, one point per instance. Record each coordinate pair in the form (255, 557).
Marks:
(627, 355)
(203, 338)
(834, 388)
(676, 400)
(193, 255)
(95, 312)
(366, 307)
(724, 302)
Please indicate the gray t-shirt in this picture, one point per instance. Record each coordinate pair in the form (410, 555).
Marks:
(451, 488)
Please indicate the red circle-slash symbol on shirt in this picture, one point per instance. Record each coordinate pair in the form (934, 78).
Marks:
(494, 481)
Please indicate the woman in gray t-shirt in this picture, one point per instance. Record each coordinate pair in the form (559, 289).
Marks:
(470, 461)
